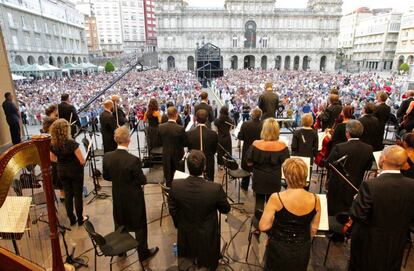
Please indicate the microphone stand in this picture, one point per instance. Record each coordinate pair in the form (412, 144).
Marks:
(135, 129)
(228, 159)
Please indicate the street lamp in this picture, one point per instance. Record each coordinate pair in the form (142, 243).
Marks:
(341, 54)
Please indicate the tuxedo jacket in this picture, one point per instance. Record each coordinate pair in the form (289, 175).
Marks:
(173, 139)
(382, 213)
(124, 171)
(372, 131)
(382, 113)
(268, 103)
(359, 159)
(68, 112)
(108, 126)
(209, 110)
(249, 132)
(193, 204)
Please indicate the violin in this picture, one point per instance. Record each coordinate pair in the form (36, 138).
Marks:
(347, 229)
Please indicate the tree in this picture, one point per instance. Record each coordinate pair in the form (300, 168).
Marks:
(109, 67)
(404, 67)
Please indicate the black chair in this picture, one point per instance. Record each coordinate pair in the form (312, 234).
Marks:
(111, 245)
(238, 175)
(165, 192)
(410, 244)
(254, 229)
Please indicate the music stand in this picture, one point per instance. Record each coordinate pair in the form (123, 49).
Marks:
(90, 156)
(227, 158)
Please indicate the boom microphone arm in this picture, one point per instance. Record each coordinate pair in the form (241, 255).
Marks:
(102, 92)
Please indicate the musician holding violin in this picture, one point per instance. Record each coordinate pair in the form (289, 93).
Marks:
(352, 158)
(381, 214)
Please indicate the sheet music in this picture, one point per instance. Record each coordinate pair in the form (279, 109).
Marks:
(377, 155)
(189, 125)
(237, 129)
(180, 175)
(324, 222)
(14, 213)
(321, 136)
(286, 120)
(285, 140)
(307, 162)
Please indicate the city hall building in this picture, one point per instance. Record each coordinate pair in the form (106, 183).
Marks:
(250, 34)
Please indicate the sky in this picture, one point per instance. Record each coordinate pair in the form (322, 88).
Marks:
(347, 6)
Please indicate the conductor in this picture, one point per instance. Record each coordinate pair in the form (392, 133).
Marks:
(193, 205)
(268, 102)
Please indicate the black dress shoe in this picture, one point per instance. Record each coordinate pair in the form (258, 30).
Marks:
(73, 221)
(82, 220)
(151, 253)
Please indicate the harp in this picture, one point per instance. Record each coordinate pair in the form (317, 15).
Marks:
(15, 210)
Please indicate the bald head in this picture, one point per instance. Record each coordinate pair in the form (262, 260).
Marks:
(393, 158)
(108, 105)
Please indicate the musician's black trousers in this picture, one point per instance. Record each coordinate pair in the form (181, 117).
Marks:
(73, 187)
(261, 200)
(14, 128)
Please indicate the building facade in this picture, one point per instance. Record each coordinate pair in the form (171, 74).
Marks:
(43, 31)
(404, 52)
(121, 26)
(375, 41)
(250, 34)
(150, 24)
(347, 28)
(91, 29)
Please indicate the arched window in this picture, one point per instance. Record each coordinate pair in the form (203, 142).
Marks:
(322, 66)
(250, 34)
(278, 62)
(41, 60)
(263, 63)
(170, 63)
(234, 62)
(190, 63)
(287, 63)
(296, 61)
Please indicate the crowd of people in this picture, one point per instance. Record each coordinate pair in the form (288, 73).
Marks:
(302, 92)
(351, 110)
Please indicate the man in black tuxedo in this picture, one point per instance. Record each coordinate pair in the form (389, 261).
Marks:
(372, 128)
(249, 132)
(404, 105)
(108, 126)
(268, 102)
(165, 118)
(331, 113)
(204, 105)
(382, 111)
(124, 171)
(12, 117)
(118, 113)
(382, 213)
(68, 112)
(172, 137)
(204, 139)
(356, 158)
(193, 205)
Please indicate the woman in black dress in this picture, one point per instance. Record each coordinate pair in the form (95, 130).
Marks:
(223, 124)
(305, 140)
(153, 118)
(291, 219)
(66, 152)
(51, 116)
(266, 156)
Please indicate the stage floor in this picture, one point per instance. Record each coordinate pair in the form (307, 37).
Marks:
(235, 229)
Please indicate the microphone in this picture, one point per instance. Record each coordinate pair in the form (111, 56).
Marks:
(343, 158)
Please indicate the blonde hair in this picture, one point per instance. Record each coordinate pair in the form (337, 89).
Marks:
(307, 120)
(121, 135)
(270, 130)
(296, 172)
(60, 132)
